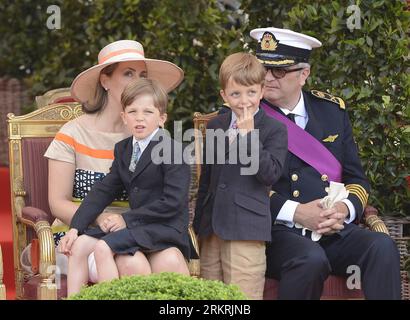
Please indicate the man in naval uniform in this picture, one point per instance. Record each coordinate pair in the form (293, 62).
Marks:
(321, 149)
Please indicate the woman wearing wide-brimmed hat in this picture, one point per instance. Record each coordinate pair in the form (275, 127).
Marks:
(82, 151)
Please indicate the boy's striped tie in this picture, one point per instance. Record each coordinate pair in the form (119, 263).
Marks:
(136, 153)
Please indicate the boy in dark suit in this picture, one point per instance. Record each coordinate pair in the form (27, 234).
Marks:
(232, 216)
(157, 221)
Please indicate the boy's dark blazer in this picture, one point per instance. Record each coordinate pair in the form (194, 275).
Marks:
(235, 206)
(158, 196)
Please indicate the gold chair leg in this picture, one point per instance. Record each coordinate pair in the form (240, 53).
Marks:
(47, 290)
(2, 292)
(19, 284)
(194, 264)
(2, 286)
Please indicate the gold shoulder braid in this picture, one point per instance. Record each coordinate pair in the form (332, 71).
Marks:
(327, 96)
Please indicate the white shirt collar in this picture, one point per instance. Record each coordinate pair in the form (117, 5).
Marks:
(301, 116)
(299, 109)
(144, 142)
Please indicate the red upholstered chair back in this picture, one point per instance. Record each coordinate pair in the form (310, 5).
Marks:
(35, 173)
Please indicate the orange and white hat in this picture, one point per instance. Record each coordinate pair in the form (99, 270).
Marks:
(84, 85)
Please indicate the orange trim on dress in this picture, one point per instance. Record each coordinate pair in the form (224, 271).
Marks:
(118, 52)
(81, 148)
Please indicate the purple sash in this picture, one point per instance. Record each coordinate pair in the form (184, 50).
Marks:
(306, 147)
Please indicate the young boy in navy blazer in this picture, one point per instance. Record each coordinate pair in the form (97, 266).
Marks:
(157, 222)
(232, 215)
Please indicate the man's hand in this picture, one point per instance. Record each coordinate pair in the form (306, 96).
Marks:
(335, 221)
(67, 241)
(309, 214)
(113, 222)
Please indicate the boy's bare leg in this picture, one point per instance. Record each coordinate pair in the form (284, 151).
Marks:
(104, 259)
(129, 265)
(78, 263)
(168, 260)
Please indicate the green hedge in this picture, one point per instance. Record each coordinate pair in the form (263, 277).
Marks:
(160, 286)
(367, 67)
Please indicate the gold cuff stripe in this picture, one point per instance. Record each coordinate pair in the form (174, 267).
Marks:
(362, 200)
(362, 195)
(358, 191)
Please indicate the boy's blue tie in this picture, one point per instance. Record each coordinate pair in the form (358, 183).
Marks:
(136, 153)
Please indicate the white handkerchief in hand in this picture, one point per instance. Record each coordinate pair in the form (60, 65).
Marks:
(337, 192)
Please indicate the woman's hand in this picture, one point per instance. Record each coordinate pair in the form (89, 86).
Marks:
(67, 241)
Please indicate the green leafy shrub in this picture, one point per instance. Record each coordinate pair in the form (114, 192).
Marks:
(160, 286)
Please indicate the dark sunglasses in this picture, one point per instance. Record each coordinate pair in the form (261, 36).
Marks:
(279, 73)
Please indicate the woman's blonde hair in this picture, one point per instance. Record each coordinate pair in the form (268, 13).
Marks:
(243, 68)
(144, 86)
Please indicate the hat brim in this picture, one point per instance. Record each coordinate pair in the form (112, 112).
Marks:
(84, 85)
(277, 63)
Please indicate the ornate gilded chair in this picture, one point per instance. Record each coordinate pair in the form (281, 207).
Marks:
(29, 137)
(335, 286)
(2, 286)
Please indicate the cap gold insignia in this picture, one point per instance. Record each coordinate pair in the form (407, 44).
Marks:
(330, 138)
(268, 43)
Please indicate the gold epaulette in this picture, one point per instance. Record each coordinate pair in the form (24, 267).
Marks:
(359, 192)
(327, 96)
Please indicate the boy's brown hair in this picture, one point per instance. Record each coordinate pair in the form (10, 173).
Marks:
(143, 86)
(243, 68)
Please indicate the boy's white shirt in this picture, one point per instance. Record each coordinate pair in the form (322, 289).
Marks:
(144, 142)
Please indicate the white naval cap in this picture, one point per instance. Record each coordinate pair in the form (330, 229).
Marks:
(283, 47)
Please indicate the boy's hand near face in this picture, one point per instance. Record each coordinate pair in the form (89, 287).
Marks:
(245, 122)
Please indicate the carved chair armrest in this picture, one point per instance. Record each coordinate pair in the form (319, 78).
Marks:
(372, 220)
(39, 221)
(33, 215)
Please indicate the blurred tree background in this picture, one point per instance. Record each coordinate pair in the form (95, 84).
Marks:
(368, 67)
